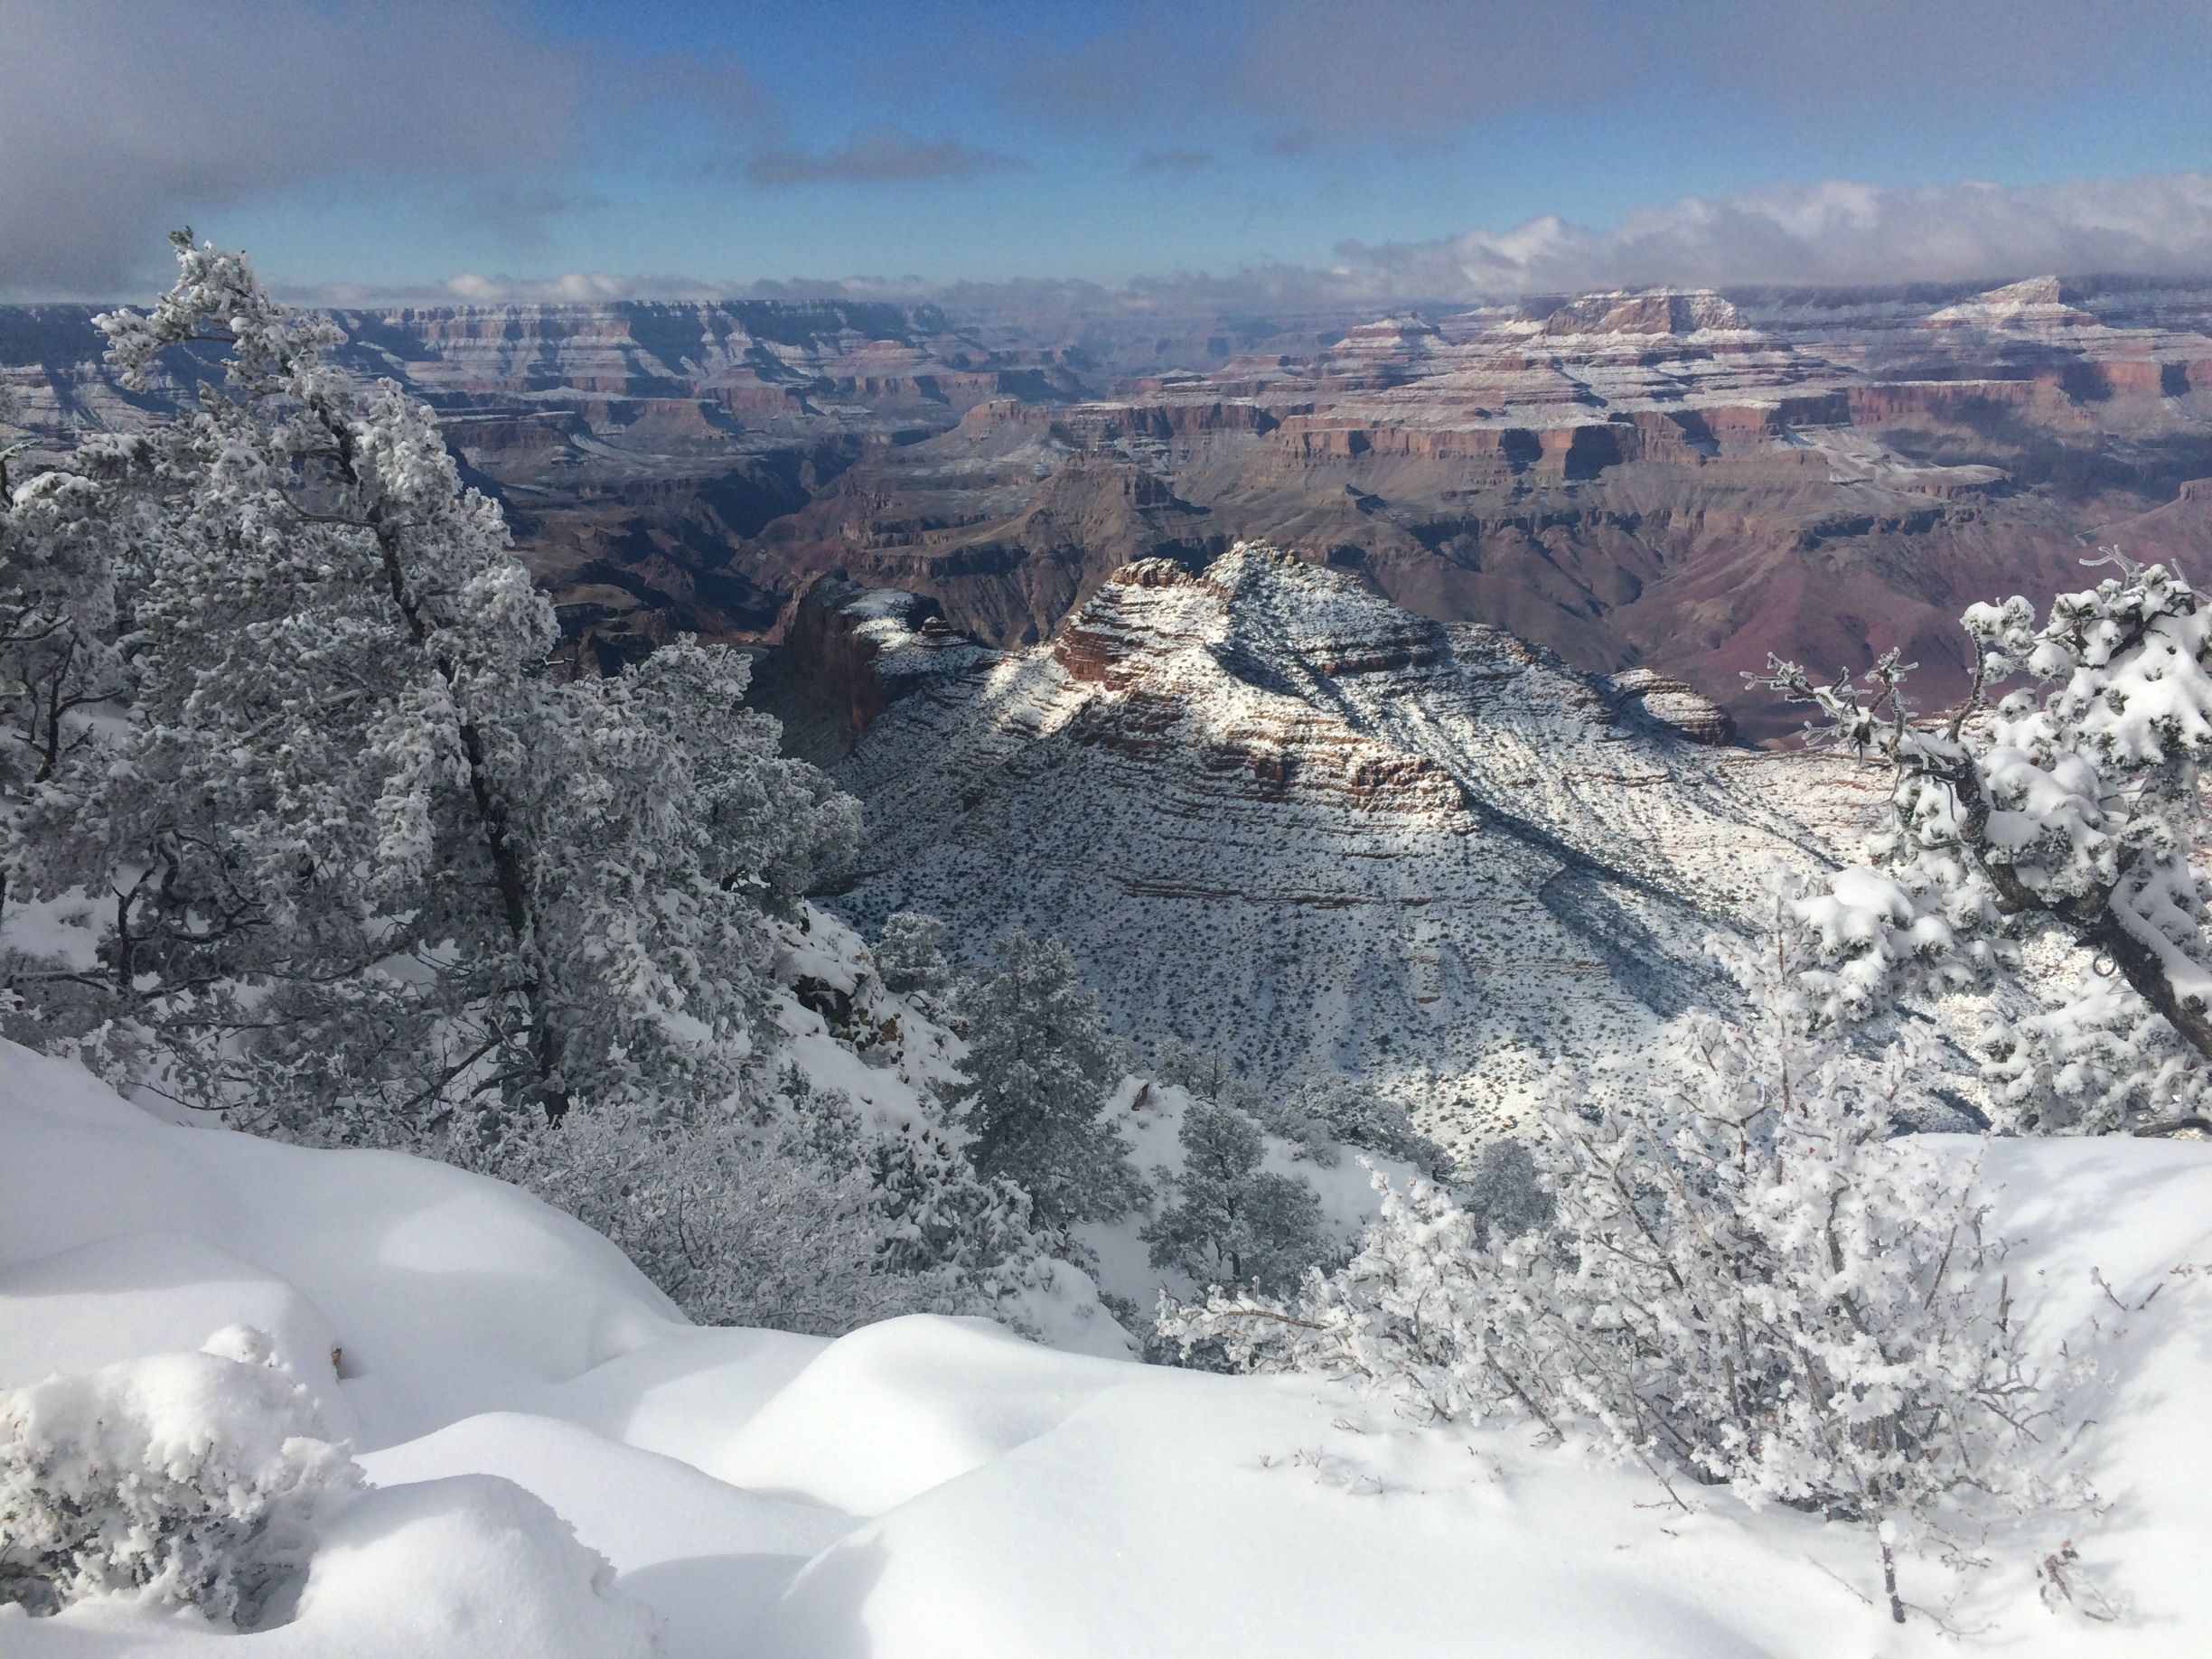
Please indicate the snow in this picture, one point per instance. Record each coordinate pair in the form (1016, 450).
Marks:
(444, 1294)
(705, 1555)
(469, 1564)
(937, 1487)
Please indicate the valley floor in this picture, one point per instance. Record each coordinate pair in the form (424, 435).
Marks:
(937, 1487)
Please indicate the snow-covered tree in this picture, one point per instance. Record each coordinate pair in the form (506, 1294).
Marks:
(198, 1479)
(1207, 1075)
(1227, 1221)
(910, 956)
(653, 863)
(59, 550)
(943, 1217)
(2073, 809)
(1432, 1309)
(1039, 1066)
(1502, 1186)
(1745, 1278)
(364, 860)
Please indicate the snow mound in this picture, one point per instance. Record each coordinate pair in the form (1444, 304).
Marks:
(442, 1293)
(892, 1410)
(464, 1566)
(931, 1487)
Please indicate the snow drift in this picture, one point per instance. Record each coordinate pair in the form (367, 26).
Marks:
(930, 1486)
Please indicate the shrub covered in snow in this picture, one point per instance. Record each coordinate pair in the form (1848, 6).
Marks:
(803, 1215)
(1330, 1110)
(195, 1478)
(1744, 1279)
(739, 1224)
(2074, 811)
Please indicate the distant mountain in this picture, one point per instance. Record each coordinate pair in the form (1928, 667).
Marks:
(1305, 830)
(1677, 479)
(1683, 480)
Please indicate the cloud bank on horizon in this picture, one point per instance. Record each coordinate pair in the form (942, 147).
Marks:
(1830, 232)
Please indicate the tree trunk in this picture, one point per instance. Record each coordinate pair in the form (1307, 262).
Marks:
(2139, 965)
(546, 1041)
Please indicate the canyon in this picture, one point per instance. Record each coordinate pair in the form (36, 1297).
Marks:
(1675, 481)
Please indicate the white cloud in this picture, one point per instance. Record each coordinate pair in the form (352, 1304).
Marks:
(469, 288)
(122, 119)
(1835, 231)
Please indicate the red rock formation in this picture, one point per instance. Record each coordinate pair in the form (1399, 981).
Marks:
(1676, 479)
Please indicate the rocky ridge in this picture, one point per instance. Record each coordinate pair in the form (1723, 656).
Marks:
(1300, 828)
(1674, 480)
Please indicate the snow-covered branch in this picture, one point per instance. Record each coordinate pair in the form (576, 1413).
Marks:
(2070, 803)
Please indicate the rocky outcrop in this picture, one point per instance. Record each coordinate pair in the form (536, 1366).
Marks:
(1672, 704)
(2038, 305)
(1691, 311)
(1300, 827)
(848, 654)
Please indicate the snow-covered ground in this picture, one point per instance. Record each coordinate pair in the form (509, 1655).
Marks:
(935, 1486)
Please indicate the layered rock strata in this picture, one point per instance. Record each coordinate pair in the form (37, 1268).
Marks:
(1303, 828)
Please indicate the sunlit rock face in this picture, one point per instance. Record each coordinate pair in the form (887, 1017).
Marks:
(1304, 828)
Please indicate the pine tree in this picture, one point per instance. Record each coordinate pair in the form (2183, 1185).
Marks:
(1039, 1066)
(365, 863)
(1228, 1221)
(910, 956)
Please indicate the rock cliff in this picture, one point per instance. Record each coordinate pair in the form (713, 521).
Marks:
(1671, 479)
(1301, 827)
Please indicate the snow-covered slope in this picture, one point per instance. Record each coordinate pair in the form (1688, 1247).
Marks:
(931, 1487)
(1297, 827)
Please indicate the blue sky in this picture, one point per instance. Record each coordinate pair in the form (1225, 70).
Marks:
(496, 148)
